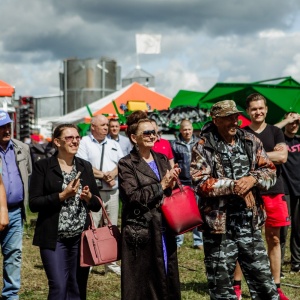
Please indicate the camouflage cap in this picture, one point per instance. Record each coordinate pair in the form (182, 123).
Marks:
(224, 108)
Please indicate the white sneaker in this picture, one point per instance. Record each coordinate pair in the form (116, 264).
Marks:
(113, 268)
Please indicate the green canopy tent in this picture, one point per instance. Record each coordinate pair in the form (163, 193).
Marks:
(281, 97)
(186, 98)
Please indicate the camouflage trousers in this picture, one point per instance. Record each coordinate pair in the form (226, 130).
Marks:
(247, 247)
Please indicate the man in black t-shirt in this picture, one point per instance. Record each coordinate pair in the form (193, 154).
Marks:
(291, 176)
(275, 204)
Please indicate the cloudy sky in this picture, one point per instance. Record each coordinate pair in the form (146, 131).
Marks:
(203, 41)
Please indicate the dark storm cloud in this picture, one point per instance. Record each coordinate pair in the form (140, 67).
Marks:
(88, 28)
(215, 16)
(204, 41)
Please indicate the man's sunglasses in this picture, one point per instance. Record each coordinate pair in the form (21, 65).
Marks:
(70, 138)
(149, 132)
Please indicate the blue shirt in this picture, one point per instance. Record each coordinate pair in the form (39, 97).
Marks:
(11, 176)
(124, 142)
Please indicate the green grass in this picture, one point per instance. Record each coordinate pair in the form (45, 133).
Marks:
(101, 286)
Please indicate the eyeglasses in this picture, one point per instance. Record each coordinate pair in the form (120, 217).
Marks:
(147, 133)
(70, 138)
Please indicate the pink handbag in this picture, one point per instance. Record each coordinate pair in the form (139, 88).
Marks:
(181, 210)
(100, 245)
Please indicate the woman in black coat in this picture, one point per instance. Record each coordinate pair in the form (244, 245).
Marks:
(63, 202)
(149, 253)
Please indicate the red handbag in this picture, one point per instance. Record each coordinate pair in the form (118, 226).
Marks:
(100, 245)
(181, 210)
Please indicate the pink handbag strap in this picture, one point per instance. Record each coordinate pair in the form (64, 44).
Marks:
(104, 213)
(179, 184)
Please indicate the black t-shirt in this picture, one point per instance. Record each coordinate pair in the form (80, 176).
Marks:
(270, 137)
(290, 170)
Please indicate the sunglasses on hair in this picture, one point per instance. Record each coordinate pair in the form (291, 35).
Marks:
(70, 138)
(148, 132)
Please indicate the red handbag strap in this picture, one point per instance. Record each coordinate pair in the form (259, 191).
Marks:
(104, 213)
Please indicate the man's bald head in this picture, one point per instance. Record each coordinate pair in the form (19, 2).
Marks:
(99, 127)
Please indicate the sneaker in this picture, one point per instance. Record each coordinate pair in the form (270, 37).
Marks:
(282, 296)
(282, 276)
(238, 291)
(113, 268)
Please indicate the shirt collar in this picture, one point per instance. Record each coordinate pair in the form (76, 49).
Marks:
(95, 141)
(9, 147)
(117, 139)
(191, 141)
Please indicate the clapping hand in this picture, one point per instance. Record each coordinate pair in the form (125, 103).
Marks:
(170, 178)
(86, 195)
(174, 172)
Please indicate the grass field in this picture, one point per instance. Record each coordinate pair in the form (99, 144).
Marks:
(101, 286)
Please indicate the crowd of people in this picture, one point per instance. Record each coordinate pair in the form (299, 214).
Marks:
(244, 178)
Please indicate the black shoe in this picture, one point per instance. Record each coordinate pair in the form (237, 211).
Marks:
(295, 269)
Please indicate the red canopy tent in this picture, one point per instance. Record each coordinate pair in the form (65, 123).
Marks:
(6, 90)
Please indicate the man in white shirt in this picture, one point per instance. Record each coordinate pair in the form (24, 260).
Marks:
(91, 148)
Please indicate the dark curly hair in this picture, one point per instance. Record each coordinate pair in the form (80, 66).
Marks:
(133, 119)
(132, 129)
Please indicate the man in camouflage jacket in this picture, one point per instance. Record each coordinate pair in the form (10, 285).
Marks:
(229, 166)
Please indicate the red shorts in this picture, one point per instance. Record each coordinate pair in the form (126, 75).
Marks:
(276, 210)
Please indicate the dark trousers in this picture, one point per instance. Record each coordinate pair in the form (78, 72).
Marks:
(66, 279)
(295, 232)
(247, 247)
(294, 211)
(284, 231)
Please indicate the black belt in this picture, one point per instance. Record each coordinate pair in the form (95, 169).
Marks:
(13, 206)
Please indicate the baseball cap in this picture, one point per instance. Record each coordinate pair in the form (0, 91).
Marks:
(4, 118)
(224, 108)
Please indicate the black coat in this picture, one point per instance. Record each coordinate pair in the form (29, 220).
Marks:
(45, 186)
(143, 273)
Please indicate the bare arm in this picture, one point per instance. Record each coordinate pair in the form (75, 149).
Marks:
(4, 220)
(279, 154)
(108, 177)
(111, 174)
(97, 173)
(290, 118)
(171, 161)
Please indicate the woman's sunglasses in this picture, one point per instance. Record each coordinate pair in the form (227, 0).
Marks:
(148, 133)
(69, 139)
